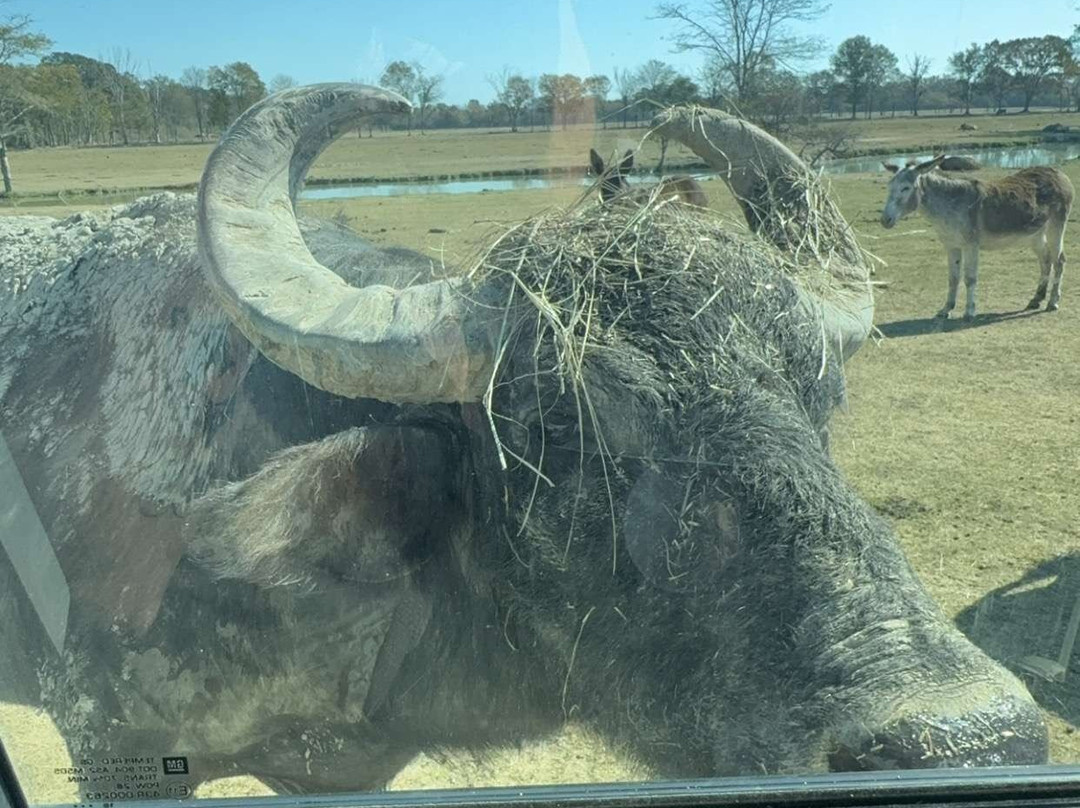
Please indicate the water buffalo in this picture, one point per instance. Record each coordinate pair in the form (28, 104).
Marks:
(959, 162)
(319, 506)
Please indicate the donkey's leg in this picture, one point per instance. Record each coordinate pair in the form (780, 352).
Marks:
(954, 281)
(1046, 261)
(971, 277)
(1055, 239)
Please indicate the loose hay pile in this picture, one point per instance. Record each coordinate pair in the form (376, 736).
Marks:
(590, 267)
(680, 306)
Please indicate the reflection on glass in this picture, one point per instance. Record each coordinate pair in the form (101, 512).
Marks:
(592, 479)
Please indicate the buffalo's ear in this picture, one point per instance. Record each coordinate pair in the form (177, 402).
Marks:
(364, 506)
(596, 162)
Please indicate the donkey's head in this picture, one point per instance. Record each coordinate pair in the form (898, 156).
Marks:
(612, 177)
(904, 193)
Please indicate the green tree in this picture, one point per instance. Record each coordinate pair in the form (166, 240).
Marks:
(882, 70)
(597, 89)
(965, 66)
(59, 89)
(853, 65)
(563, 95)
(862, 68)
(401, 78)
(17, 100)
(680, 90)
(820, 90)
(1030, 60)
(233, 89)
(994, 75)
(95, 105)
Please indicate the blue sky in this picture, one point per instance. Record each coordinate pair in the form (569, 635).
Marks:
(332, 40)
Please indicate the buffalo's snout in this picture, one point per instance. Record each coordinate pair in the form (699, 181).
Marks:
(1008, 731)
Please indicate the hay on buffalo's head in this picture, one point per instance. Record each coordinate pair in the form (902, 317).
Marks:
(675, 281)
(576, 264)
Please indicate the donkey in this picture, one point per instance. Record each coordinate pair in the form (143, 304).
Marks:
(613, 182)
(970, 214)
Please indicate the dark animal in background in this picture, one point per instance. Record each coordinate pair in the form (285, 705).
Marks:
(614, 183)
(959, 163)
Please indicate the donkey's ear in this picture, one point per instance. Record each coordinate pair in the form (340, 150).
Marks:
(929, 165)
(627, 161)
(890, 167)
(596, 162)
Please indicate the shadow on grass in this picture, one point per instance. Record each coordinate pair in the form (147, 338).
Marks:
(1030, 618)
(934, 325)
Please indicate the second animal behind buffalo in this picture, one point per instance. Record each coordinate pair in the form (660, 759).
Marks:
(614, 183)
(970, 214)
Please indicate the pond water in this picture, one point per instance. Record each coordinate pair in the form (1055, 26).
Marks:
(1017, 157)
(1044, 154)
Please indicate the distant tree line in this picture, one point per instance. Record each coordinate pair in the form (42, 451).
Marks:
(748, 49)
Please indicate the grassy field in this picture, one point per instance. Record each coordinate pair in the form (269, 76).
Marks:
(50, 176)
(965, 435)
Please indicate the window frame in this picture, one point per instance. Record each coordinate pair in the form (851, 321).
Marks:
(1052, 786)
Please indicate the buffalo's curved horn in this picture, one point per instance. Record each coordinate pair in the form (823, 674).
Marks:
(783, 202)
(417, 344)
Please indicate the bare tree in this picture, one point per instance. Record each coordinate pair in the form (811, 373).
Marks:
(428, 89)
(654, 74)
(627, 83)
(917, 68)
(746, 37)
(597, 88)
(819, 141)
(121, 84)
(17, 40)
(401, 78)
(280, 82)
(156, 89)
(194, 80)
